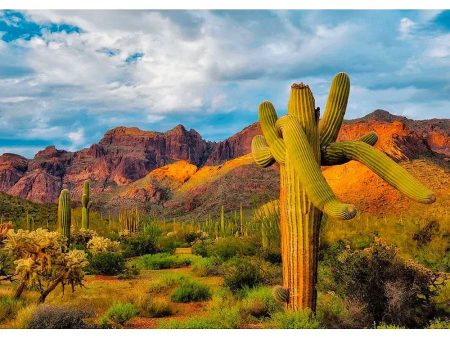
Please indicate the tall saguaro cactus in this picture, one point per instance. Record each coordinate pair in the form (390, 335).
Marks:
(86, 204)
(64, 216)
(300, 144)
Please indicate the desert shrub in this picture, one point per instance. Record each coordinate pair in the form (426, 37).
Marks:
(99, 244)
(190, 291)
(166, 283)
(200, 248)
(383, 326)
(107, 263)
(168, 244)
(58, 317)
(6, 265)
(9, 306)
(439, 324)
(149, 306)
(162, 261)
(130, 272)
(272, 255)
(208, 266)
(394, 290)
(139, 245)
(241, 272)
(259, 302)
(295, 320)
(227, 248)
(119, 313)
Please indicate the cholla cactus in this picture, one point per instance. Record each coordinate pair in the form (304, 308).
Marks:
(4, 228)
(42, 261)
(101, 244)
(301, 144)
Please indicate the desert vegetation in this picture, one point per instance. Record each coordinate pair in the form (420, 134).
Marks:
(303, 261)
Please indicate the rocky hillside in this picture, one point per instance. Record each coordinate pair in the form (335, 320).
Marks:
(125, 158)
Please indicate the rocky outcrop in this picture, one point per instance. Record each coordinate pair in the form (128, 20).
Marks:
(126, 155)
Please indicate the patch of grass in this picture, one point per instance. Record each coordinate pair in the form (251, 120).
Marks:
(190, 291)
(9, 306)
(295, 320)
(166, 283)
(149, 306)
(208, 266)
(259, 302)
(162, 261)
(119, 313)
(23, 317)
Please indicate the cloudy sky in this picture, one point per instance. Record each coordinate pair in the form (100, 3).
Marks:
(66, 77)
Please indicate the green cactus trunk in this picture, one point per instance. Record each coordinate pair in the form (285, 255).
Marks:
(222, 221)
(64, 213)
(86, 204)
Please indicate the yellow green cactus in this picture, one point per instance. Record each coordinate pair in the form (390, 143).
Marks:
(300, 144)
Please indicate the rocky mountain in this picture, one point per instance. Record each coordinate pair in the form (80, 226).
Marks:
(125, 158)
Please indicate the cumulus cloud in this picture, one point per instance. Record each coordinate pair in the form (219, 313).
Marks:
(80, 73)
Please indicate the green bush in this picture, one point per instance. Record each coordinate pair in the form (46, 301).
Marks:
(9, 306)
(208, 266)
(295, 320)
(190, 291)
(129, 273)
(200, 248)
(144, 243)
(166, 283)
(58, 317)
(162, 261)
(241, 272)
(259, 302)
(153, 307)
(439, 324)
(106, 263)
(227, 248)
(169, 244)
(120, 313)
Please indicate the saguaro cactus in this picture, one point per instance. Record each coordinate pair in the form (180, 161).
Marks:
(86, 203)
(64, 213)
(300, 144)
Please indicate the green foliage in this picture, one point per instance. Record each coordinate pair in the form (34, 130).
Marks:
(439, 324)
(259, 302)
(190, 291)
(140, 244)
(227, 248)
(58, 317)
(149, 306)
(120, 313)
(107, 263)
(9, 306)
(162, 261)
(166, 283)
(303, 319)
(394, 290)
(241, 272)
(207, 266)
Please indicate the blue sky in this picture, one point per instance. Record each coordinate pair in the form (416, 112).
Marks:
(66, 77)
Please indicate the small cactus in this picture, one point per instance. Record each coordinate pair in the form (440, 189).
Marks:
(64, 216)
(86, 203)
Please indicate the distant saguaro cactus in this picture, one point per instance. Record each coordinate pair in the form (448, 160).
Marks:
(86, 204)
(300, 144)
(64, 213)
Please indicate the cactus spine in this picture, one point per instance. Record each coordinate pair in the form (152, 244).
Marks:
(64, 216)
(300, 144)
(86, 203)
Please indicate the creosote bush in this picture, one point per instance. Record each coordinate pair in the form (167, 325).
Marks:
(241, 272)
(119, 313)
(107, 263)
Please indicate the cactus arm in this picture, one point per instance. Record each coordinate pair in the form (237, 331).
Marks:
(335, 108)
(261, 152)
(268, 118)
(301, 154)
(370, 138)
(381, 165)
